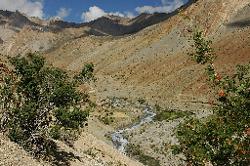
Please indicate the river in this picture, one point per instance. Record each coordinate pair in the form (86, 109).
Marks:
(118, 139)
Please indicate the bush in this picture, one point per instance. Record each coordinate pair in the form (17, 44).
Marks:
(36, 102)
(135, 151)
(203, 51)
(224, 137)
(167, 115)
(214, 140)
(71, 119)
(86, 73)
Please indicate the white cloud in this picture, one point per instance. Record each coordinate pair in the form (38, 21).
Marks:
(129, 14)
(166, 2)
(31, 8)
(61, 14)
(95, 12)
(167, 6)
(116, 14)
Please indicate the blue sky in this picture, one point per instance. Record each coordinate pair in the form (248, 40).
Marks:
(79, 6)
(87, 10)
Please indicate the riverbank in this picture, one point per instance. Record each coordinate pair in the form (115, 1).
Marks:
(146, 138)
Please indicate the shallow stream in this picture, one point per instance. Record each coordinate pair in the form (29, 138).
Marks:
(118, 139)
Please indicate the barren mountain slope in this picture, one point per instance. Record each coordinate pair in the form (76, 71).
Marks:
(152, 64)
(11, 154)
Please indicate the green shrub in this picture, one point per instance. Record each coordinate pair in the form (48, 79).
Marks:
(214, 140)
(36, 102)
(107, 119)
(167, 115)
(224, 137)
(55, 132)
(141, 101)
(86, 74)
(203, 52)
(135, 151)
(71, 119)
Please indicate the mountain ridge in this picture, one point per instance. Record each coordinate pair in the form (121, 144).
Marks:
(105, 25)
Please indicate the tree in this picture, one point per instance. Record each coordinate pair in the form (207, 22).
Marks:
(224, 137)
(203, 53)
(36, 100)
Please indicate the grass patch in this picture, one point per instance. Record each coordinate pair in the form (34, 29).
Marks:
(167, 115)
(135, 152)
(141, 101)
(107, 118)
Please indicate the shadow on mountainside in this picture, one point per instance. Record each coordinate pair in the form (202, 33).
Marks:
(63, 158)
(240, 23)
(106, 26)
(57, 156)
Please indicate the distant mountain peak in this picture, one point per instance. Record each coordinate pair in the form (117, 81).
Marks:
(107, 25)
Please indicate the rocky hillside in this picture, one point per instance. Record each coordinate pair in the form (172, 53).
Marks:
(117, 26)
(150, 62)
(32, 34)
(106, 25)
(153, 63)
